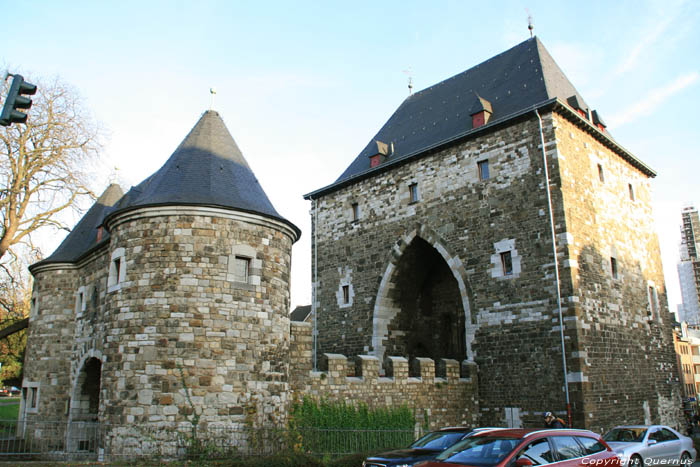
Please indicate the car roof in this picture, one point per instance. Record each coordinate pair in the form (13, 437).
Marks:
(519, 433)
(641, 426)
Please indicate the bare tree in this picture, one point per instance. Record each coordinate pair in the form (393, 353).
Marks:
(42, 163)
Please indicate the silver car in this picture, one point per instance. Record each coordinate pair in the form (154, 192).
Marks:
(650, 445)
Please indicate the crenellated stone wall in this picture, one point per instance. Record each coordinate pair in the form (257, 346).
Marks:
(444, 394)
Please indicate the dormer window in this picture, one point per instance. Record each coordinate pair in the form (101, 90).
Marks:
(598, 121)
(481, 112)
(380, 154)
(578, 107)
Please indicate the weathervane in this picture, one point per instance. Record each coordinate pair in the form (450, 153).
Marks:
(212, 91)
(410, 80)
(529, 22)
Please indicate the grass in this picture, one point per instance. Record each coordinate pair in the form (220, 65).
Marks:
(11, 410)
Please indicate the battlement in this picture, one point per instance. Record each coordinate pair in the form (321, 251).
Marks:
(444, 393)
(367, 367)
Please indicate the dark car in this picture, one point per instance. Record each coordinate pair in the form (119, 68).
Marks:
(526, 448)
(426, 447)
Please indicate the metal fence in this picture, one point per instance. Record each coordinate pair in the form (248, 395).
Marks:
(71, 441)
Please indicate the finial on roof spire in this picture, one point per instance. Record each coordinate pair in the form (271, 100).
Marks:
(529, 22)
(410, 80)
(212, 91)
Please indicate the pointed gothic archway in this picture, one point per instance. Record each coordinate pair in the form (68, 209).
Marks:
(423, 307)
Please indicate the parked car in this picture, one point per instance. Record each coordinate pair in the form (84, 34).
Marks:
(641, 445)
(424, 448)
(4, 392)
(526, 448)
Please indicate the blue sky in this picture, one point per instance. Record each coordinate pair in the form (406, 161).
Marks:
(303, 86)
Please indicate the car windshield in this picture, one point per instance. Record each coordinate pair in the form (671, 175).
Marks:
(479, 451)
(626, 435)
(438, 440)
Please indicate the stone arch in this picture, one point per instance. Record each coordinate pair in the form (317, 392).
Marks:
(85, 399)
(387, 306)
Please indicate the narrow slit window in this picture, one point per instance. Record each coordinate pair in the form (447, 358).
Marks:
(631, 191)
(613, 268)
(346, 294)
(413, 192)
(117, 263)
(483, 167)
(355, 211)
(601, 174)
(241, 269)
(653, 303)
(507, 263)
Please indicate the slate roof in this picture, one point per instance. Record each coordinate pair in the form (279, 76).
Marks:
(83, 237)
(300, 313)
(206, 169)
(518, 79)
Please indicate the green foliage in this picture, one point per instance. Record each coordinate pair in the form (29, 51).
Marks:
(326, 414)
(335, 428)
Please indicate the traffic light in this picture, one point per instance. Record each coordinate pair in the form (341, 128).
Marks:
(15, 100)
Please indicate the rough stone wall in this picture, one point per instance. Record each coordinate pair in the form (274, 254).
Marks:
(512, 323)
(622, 360)
(180, 322)
(436, 394)
(511, 328)
(47, 362)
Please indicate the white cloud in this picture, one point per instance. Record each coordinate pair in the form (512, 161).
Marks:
(648, 39)
(653, 99)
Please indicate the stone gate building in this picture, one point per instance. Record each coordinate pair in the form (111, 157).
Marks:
(436, 241)
(436, 284)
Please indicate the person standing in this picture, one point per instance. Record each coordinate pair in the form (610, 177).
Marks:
(550, 421)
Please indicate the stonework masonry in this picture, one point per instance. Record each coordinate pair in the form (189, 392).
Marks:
(444, 395)
(478, 275)
(458, 231)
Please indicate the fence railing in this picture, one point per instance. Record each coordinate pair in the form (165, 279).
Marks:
(78, 440)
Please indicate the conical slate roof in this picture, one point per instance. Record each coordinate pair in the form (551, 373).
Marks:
(83, 237)
(207, 169)
(512, 82)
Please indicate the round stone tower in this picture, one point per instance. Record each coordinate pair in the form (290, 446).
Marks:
(167, 305)
(199, 292)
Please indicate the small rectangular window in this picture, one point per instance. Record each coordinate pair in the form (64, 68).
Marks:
(631, 190)
(613, 267)
(346, 294)
(507, 263)
(413, 192)
(117, 267)
(483, 169)
(241, 269)
(601, 175)
(33, 398)
(653, 303)
(355, 211)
